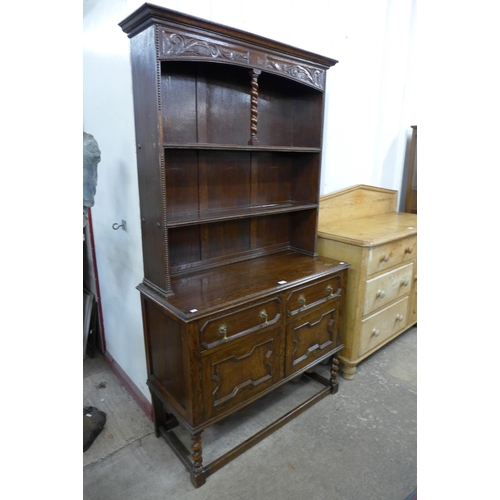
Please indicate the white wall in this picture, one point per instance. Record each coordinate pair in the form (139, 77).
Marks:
(369, 111)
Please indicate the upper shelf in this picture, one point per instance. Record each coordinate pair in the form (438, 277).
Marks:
(235, 147)
(207, 216)
(274, 113)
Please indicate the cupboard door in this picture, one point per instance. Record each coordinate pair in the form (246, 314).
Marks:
(312, 336)
(240, 370)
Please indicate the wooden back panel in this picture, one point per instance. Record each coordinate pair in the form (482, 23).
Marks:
(356, 202)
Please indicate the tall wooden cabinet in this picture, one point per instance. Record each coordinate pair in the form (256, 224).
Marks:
(236, 301)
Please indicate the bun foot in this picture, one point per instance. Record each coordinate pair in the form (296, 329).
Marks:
(349, 371)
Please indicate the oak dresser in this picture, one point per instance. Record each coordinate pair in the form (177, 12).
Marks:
(236, 301)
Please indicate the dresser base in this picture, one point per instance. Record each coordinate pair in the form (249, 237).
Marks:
(192, 459)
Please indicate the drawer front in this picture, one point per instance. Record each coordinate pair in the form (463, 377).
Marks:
(391, 254)
(379, 327)
(240, 322)
(304, 298)
(240, 370)
(387, 287)
(312, 335)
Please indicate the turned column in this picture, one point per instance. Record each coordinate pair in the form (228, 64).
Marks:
(333, 373)
(198, 477)
(254, 104)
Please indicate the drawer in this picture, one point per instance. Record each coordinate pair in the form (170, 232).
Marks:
(240, 370)
(380, 326)
(302, 299)
(387, 287)
(391, 254)
(240, 322)
(311, 336)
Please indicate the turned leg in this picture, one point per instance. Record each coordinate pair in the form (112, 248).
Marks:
(197, 473)
(333, 374)
(348, 371)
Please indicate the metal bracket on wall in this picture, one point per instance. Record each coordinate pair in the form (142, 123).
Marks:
(123, 225)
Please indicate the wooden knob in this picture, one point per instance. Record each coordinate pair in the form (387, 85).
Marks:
(385, 258)
(375, 332)
(409, 250)
(381, 294)
(405, 282)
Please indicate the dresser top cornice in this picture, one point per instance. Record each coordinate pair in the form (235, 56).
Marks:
(364, 216)
(149, 14)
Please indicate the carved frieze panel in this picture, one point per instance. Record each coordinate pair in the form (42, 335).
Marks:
(305, 74)
(172, 44)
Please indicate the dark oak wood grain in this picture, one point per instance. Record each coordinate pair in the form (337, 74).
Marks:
(236, 303)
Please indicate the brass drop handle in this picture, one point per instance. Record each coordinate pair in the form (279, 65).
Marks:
(385, 258)
(263, 315)
(409, 250)
(302, 300)
(329, 290)
(381, 294)
(405, 282)
(375, 332)
(223, 331)
(399, 317)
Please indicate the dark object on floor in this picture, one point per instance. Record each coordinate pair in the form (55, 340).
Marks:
(413, 496)
(93, 423)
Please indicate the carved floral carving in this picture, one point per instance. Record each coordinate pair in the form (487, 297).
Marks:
(173, 44)
(313, 76)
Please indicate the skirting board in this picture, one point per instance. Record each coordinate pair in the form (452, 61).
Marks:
(138, 396)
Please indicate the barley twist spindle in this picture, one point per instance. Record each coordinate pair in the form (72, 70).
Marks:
(196, 449)
(254, 104)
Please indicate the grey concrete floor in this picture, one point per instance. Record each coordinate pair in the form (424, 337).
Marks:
(360, 444)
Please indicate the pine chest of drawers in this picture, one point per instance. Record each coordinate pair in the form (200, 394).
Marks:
(360, 225)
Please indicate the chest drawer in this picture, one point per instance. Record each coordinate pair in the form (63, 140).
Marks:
(379, 327)
(302, 299)
(240, 322)
(387, 287)
(391, 254)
